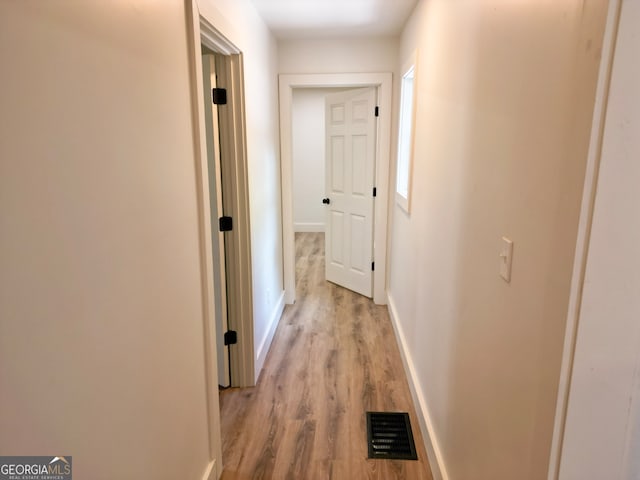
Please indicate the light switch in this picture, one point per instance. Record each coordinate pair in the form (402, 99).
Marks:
(506, 257)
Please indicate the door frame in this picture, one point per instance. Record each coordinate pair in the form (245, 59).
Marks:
(235, 187)
(383, 83)
(201, 32)
(236, 183)
(584, 236)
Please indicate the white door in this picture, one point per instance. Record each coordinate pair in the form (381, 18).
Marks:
(215, 203)
(350, 170)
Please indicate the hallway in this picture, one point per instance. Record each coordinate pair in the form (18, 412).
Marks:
(333, 358)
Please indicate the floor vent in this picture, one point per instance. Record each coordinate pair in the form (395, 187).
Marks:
(389, 436)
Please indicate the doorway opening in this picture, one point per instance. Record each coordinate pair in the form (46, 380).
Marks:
(227, 196)
(333, 156)
(215, 62)
(380, 81)
(219, 198)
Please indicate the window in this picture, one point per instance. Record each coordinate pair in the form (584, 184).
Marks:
(405, 135)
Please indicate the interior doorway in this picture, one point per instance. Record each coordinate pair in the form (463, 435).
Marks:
(229, 211)
(380, 81)
(333, 156)
(222, 68)
(218, 197)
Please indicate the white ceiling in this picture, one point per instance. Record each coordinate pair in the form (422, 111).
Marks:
(321, 18)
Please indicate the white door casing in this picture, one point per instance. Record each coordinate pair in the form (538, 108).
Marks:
(350, 174)
(597, 427)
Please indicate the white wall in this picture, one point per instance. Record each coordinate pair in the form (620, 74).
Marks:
(101, 347)
(504, 103)
(602, 436)
(338, 55)
(238, 21)
(101, 333)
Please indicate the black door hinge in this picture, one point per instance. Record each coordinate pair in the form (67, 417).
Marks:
(375, 191)
(377, 111)
(219, 96)
(225, 224)
(230, 337)
(373, 266)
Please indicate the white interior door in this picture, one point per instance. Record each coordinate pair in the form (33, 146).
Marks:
(216, 207)
(350, 170)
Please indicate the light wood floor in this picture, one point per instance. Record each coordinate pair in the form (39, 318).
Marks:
(333, 358)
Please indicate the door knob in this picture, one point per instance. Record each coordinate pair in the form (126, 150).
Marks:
(326, 201)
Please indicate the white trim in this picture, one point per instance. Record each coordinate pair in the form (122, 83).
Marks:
(213, 39)
(308, 227)
(383, 82)
(211, 473)
(584, 234)
(263, 349)
(434, 452)
(206, 254)
(410, 66)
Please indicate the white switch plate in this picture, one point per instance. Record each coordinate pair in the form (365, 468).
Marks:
(506, 257)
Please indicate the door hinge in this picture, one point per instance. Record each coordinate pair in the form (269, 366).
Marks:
(375, 191)
(373, 266)
(230, 337)
(219, 96)
(377, 111)
(225, 224)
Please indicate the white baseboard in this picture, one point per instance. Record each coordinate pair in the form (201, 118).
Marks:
(211, 472)
(432, 446)
(308, 227)
(263, 349)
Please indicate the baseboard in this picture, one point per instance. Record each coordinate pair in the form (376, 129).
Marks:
(211, 472)
(432, 446)
(308, 227)
(263, 349)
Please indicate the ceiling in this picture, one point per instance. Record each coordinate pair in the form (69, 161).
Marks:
(291, 19)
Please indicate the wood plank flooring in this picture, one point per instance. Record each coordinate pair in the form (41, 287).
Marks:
(333, 358)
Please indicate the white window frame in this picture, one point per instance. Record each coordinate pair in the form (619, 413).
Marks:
(406, 133)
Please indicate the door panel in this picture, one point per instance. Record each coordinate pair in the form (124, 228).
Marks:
(359, 156)
(216, 209)
(337, 164)
(361, 111)
(335, 255)
(337, 114)
(358, 238)
(350, 171)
